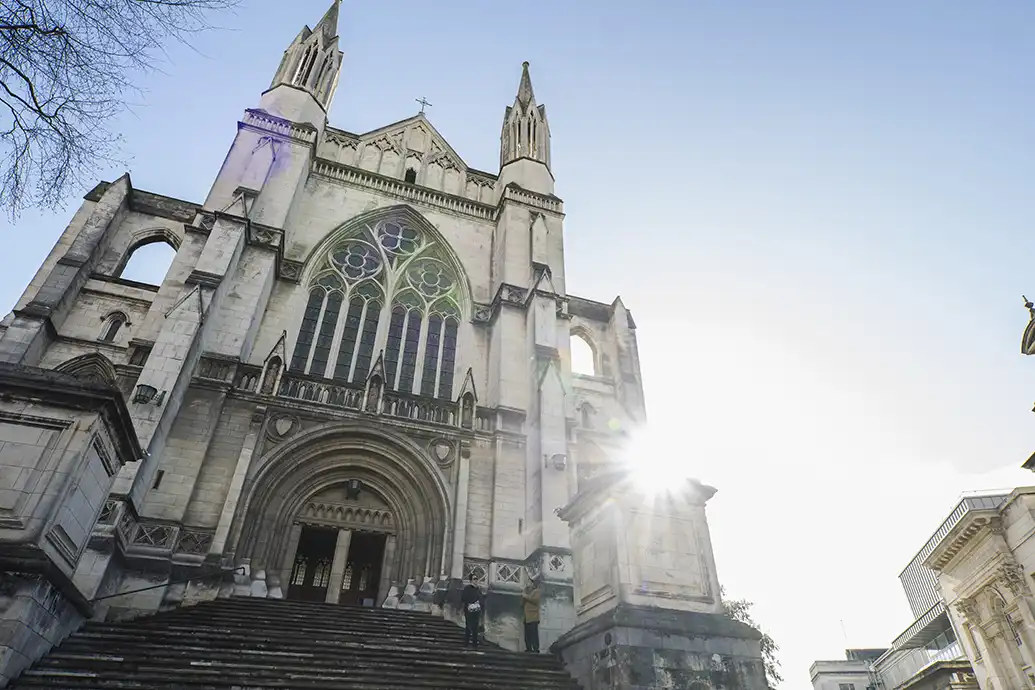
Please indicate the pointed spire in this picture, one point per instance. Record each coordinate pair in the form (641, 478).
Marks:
(329, 23)
(525, 94)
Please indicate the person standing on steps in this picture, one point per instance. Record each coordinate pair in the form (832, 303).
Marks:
(531, 598)
(471, 600)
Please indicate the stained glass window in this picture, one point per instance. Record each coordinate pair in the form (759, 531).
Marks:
(410, 346)
(308, 329)
(366, 343)
(348, 338)
(446, 367)
(322, 351)
(395, 334)
(431, 351)
(389, 265)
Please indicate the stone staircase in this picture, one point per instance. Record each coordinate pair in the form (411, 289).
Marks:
(255, 644)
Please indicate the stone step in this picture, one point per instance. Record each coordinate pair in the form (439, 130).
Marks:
(316, 654)
(189, 655)
(470, 676)
(452, 632)
(162, 681)
(254, 644)
(288, 636)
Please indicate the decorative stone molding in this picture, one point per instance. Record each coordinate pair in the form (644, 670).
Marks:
(967, 609)
(482, 314)
(262, 120)
(443, 452)
(156, 536)
(477, 572)
(538, 201)
(1011, 575)
(263, 236)
(282, 427)
(349, 516)
(291, 270)
(194, 542)
(215, 368)
(349, 175)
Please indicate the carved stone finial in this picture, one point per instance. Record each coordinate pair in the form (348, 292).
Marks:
(1028, 304)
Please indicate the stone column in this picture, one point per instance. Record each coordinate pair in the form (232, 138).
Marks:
(244, 460)
(456, 570)
(387, 576)
(646, 593)
(289, 558)
(341, 557)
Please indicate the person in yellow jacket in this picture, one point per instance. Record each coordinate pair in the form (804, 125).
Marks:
(531, 598)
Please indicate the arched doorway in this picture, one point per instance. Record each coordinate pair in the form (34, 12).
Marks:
(344, 511)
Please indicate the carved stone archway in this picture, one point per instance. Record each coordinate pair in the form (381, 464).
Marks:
(289, 481)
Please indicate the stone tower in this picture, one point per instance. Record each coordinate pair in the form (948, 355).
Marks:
(353, 384)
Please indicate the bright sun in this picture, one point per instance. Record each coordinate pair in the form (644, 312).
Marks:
(657, 467)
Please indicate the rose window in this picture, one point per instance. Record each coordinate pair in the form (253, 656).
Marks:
(431, 278)
(398, 240)
(356, 261)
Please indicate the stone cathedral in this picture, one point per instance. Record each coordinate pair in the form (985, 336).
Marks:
(353, 385)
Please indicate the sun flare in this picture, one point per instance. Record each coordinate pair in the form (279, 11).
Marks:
(657, 467)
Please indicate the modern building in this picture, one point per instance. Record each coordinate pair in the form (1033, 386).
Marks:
(854, 672)
(927, 655)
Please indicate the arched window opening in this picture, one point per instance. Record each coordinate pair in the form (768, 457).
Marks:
(445, 377)
(410, 346)
(303, 64)
(112, 323)
(583, 358)
(148, 262)
(387, 271)
(587, 416)
(395, 334)
(411, 176)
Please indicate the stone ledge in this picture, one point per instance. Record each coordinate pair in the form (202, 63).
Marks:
(660, 621)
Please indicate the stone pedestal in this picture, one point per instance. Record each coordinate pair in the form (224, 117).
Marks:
(648, 612)
(63, 438)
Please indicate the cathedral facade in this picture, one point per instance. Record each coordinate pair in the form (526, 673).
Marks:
(354, 383)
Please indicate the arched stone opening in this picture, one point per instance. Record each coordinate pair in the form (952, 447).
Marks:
(335, 461)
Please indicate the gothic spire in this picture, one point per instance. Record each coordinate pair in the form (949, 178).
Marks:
(526, 133)
(329, 24)
(312, 62)
(525, 94)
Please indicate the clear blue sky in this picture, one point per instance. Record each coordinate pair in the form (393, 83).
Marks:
(820, 213)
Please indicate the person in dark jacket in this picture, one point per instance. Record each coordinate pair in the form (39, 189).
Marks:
(471, 599)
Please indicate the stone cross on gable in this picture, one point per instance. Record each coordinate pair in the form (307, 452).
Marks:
(423, 103)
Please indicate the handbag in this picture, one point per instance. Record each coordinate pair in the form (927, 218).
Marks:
(474, 607)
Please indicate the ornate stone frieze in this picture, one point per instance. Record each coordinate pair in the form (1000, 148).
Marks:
(263, 236)
(387, 185)
(1011, 575)
(262, 120)
(482, 313)
(291, 270)
(194, 542)
(476, 571)
(967, 609)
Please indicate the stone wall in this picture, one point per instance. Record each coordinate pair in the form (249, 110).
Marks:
(634, 648)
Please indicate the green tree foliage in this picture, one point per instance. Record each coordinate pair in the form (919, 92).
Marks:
(740, 610)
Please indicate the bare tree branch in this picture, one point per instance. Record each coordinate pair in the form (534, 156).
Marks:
(67, 68)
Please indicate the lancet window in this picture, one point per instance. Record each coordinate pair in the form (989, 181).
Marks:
(386, 286)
